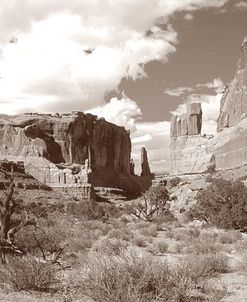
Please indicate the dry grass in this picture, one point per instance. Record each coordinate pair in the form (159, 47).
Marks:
(140, 241)
(130, 278)
(229, 237)
(29, 274)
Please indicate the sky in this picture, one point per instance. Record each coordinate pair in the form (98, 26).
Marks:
(134, 62)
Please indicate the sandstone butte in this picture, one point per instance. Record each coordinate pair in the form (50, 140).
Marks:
(72, 150)
(191, 153)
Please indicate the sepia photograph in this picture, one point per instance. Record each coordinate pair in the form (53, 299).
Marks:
(123, 150)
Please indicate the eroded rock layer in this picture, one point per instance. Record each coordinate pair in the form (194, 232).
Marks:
(70, 149)
(71, 138)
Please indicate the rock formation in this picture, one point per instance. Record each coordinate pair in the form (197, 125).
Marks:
(189, 123)
(234, 101)
(191, 153)
(188, 150)
(69, 149)
(145, 170)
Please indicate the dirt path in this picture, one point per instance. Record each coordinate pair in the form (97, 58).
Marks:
(236, 285)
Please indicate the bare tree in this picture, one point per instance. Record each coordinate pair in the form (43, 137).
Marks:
(9, 226)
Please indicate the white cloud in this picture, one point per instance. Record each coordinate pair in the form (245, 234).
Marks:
(48, 65)
(178, 91)
(154, 136)
(124, 112)
(241, 4)
(188, 17)
(216, 84)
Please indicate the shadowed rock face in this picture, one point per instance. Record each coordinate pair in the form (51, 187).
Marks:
(234, 101)
(145, 172)
(70, 139)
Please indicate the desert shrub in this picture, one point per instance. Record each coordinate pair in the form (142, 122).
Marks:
(131, 278)
(241, 264)
(92, 210)
(222, 204)
(241, 246)
(201, 246)
(173, 182)
(150, 230)
(151, 205)
(49, 235)
(29, 274)
(95, 225)
(229, 237)
(186, 234)
(199, 267)
(110, 246)
(138, 225)
(161, 246)
(123, 234)
(209, 178)
(140, 241)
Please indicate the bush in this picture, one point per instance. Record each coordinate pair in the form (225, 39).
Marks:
(198, 267)
(131, 278)
(201, 246)
(140, 241)
(112, 246)
(161, 246)
(222, 204)
(124, 234)
(29, 274)
(229, 237)
(173, 182)
(151, 205)
(92, 210)
(151, 230)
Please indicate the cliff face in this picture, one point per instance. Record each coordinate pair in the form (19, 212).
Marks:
(234, 102)
(67, 139)
(188, 150)
(190, 153)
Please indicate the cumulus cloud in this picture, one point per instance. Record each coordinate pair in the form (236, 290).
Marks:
(178, 91)
(216, 84)
(124, 112)
(241, 4)
(47, 69)
(154, 136)
(188, 17)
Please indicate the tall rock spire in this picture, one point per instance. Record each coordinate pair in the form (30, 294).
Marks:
(144, 163)
(189, 123)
